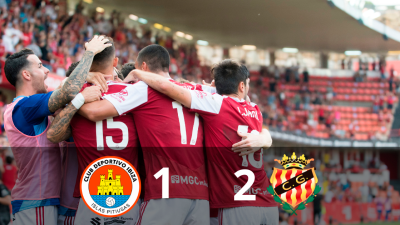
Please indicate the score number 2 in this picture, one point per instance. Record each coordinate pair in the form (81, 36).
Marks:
(239, 196)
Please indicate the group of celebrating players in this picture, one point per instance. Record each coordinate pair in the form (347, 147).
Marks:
(210, 133)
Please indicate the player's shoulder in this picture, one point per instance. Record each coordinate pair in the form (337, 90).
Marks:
(33, 99)
(253, 104)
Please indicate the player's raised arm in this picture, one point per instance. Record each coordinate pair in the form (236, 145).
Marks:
(59, 129)
(164, 86)
(97, 111)
(74, 83)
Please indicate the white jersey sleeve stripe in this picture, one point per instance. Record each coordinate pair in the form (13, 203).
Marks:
(129, 98)
(206, 102)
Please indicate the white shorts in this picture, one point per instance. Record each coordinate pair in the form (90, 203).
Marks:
(36, 216)
(65, 220)
(176, 211)
(249, 215)
(85, 216)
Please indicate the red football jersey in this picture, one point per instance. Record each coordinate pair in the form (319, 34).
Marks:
(223, 116)
(170, 136)
(111, 137)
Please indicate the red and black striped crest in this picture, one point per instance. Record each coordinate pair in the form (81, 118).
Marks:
(294, 186)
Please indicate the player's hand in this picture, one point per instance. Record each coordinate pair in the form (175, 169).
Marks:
(247, 98)
(210, 85)
(132, 77)
(99, 80)
(251, 143)
(97, 44)
(91, 94)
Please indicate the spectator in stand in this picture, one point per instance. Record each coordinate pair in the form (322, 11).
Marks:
(381, 102)
(379, 201)
(12, 36)
(35, 48)
(277, 74)
(296, 74)
(375, 106)
(272, 85)
(336, 116)
(321, 115)
(306, 75)
(265, 115)
(10, 173)
(297, 101)
(5, 202)
(388, 208)
(271, 101)
(391, 79)
(328, 120)
(382, 71)
(352, 128)
(317, 209)
(288, 73)
(317, 98)
(390, 101)
(307, 100)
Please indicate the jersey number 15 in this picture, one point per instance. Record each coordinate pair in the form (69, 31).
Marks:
(111, 124)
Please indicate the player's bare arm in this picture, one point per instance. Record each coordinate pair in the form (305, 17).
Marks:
(59, 129)
(99, 110)
(78, 77)
(164, 86)
(252, 142)
(6, 200)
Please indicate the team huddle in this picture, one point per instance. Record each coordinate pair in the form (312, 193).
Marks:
(209, 136)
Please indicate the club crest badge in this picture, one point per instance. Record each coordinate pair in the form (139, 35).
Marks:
(110, 186)
(294, 186)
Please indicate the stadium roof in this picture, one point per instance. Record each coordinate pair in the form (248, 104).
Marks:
(304, 24)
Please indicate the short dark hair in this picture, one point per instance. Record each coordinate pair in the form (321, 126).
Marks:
(156, 57)
(127, 68)
(15, 63)
(71, 68)
(9, 160)
(227, 75)
(103, 59)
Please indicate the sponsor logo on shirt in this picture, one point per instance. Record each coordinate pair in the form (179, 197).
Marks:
(251, 191)
(176, 179)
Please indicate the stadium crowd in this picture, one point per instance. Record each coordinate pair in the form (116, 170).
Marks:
(320, 108)
(59, 39)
